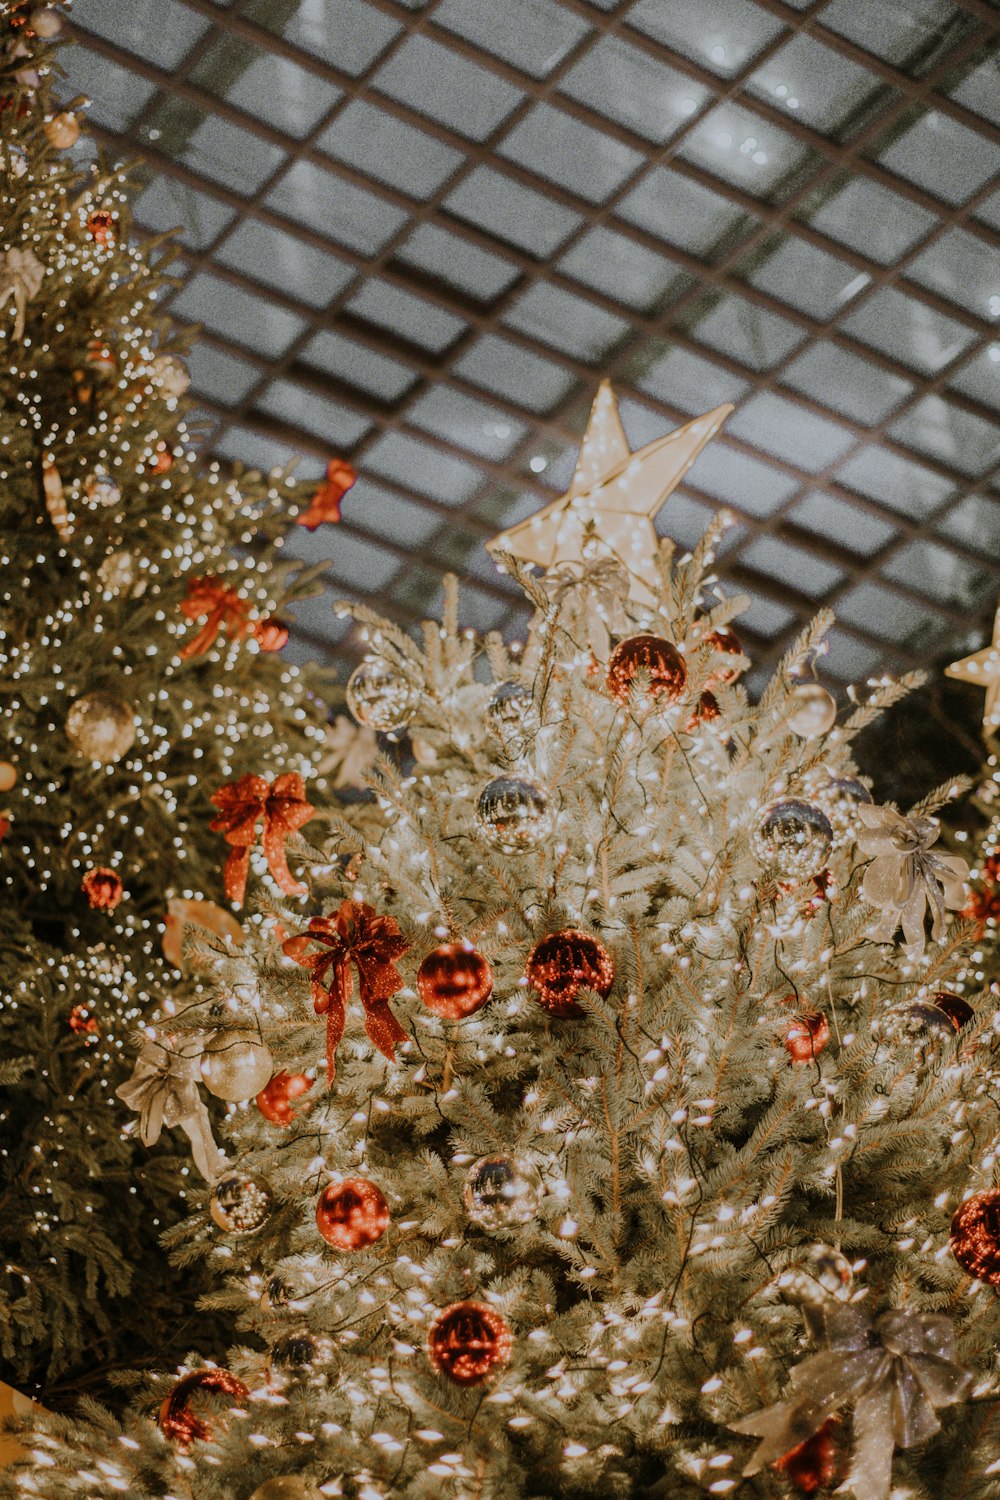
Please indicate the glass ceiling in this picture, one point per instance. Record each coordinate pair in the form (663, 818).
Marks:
(417, 232)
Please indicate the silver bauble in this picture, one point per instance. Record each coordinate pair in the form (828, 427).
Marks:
(502, 1191)
(102, 489)
(118, 573)
(236, 1065)
(380, 696)
(101, 726)
(513, 814)
(815, 710)
(300, 1358)
(820, 1274)
(793, 839)
(241, 1203)
(512, 716)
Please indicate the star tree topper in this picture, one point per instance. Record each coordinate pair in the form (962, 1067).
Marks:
(983, 668)
(615, 493)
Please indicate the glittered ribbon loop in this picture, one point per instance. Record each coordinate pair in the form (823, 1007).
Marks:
(163, 1090)
(242, 804)
(224, 608)
(325, 503)
(357, 935)
(898, 1371)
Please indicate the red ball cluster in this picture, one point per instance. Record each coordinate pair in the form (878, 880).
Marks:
(102, 888)
(658, 658)
(275, 1101)
(454, 981)
(353, 1214)
(975, 1236)
(807, 1036)
(563, 964)
(468, 1341)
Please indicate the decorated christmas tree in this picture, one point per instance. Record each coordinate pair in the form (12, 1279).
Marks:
(139, 673)
(627, 1129)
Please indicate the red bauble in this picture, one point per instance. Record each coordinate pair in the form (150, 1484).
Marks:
(726, 643)
(975, 1236)
(102, 888)
(454, 981)
(271, 633)
(177, 1420)
(814, 1464)
(705, 711)
(564, 963)
(958, 1011)
(468, 1341)
(82, 1023)
(162, 460)
(101, 227)
(353, 1214)
(658, 658)
(275, 1101)
(807, 1036)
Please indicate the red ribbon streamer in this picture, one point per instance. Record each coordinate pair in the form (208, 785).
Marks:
(354, 934)
(224, 607)
(242, 804)
(325, 504)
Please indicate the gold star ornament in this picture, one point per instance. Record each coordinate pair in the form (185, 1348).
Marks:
(614, 497)
(983, 668)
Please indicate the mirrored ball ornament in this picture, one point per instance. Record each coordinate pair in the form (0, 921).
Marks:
(241, 1203)
(276, 1295)
(513, 814)
(468, 1342)
(101, 489)
(660, 662)
(927, 1022)
(353, 1214)
(454, 981)
(380, 696)
(287, 1487)
(840, 800)
(300, 1358)
(793, 839)
(101, 726)
(236, 1065)
(118, 573)
(275, 1100)
(975, 1236)
(820, 1273)
(814, 710)
(502, 1191)
(512, 717)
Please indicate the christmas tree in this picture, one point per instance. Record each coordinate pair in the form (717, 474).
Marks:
(983, 670)
(138, 675)
(629, 1130)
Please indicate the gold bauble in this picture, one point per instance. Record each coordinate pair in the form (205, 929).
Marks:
(101, 726)
(8, 776)
(815, 711)
(62, 131)
(236, 1065)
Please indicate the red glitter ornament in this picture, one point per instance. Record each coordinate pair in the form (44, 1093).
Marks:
(177, 1420)
(325, 503)
(658, 658)
(468, 1341)
(454, 981)
(101, 227)
(102, 888)
(814, 1464)
(275, 1101)
(271, 633)
(975, 1236)
(353, 1214)
(82, 1023)
(564, 963)
(958, 1011)
(807, 1036)
(726, 643)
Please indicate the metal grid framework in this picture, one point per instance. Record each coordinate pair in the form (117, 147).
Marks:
(416, 234)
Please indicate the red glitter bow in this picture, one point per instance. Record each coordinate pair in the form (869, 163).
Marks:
(283, 807)
(325, 504)
(354, 934)
(224, 608)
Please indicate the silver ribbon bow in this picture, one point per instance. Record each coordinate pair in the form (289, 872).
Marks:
(906, 875)
(898, 1371)
(591, 595)
(21, 274)
(163, 1090)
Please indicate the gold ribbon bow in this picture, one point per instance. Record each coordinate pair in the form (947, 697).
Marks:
(899, 1372)
(906, 875)
(21, 274)
(224, 607)
(163, 1090)
(355, 934)
(242, 805)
